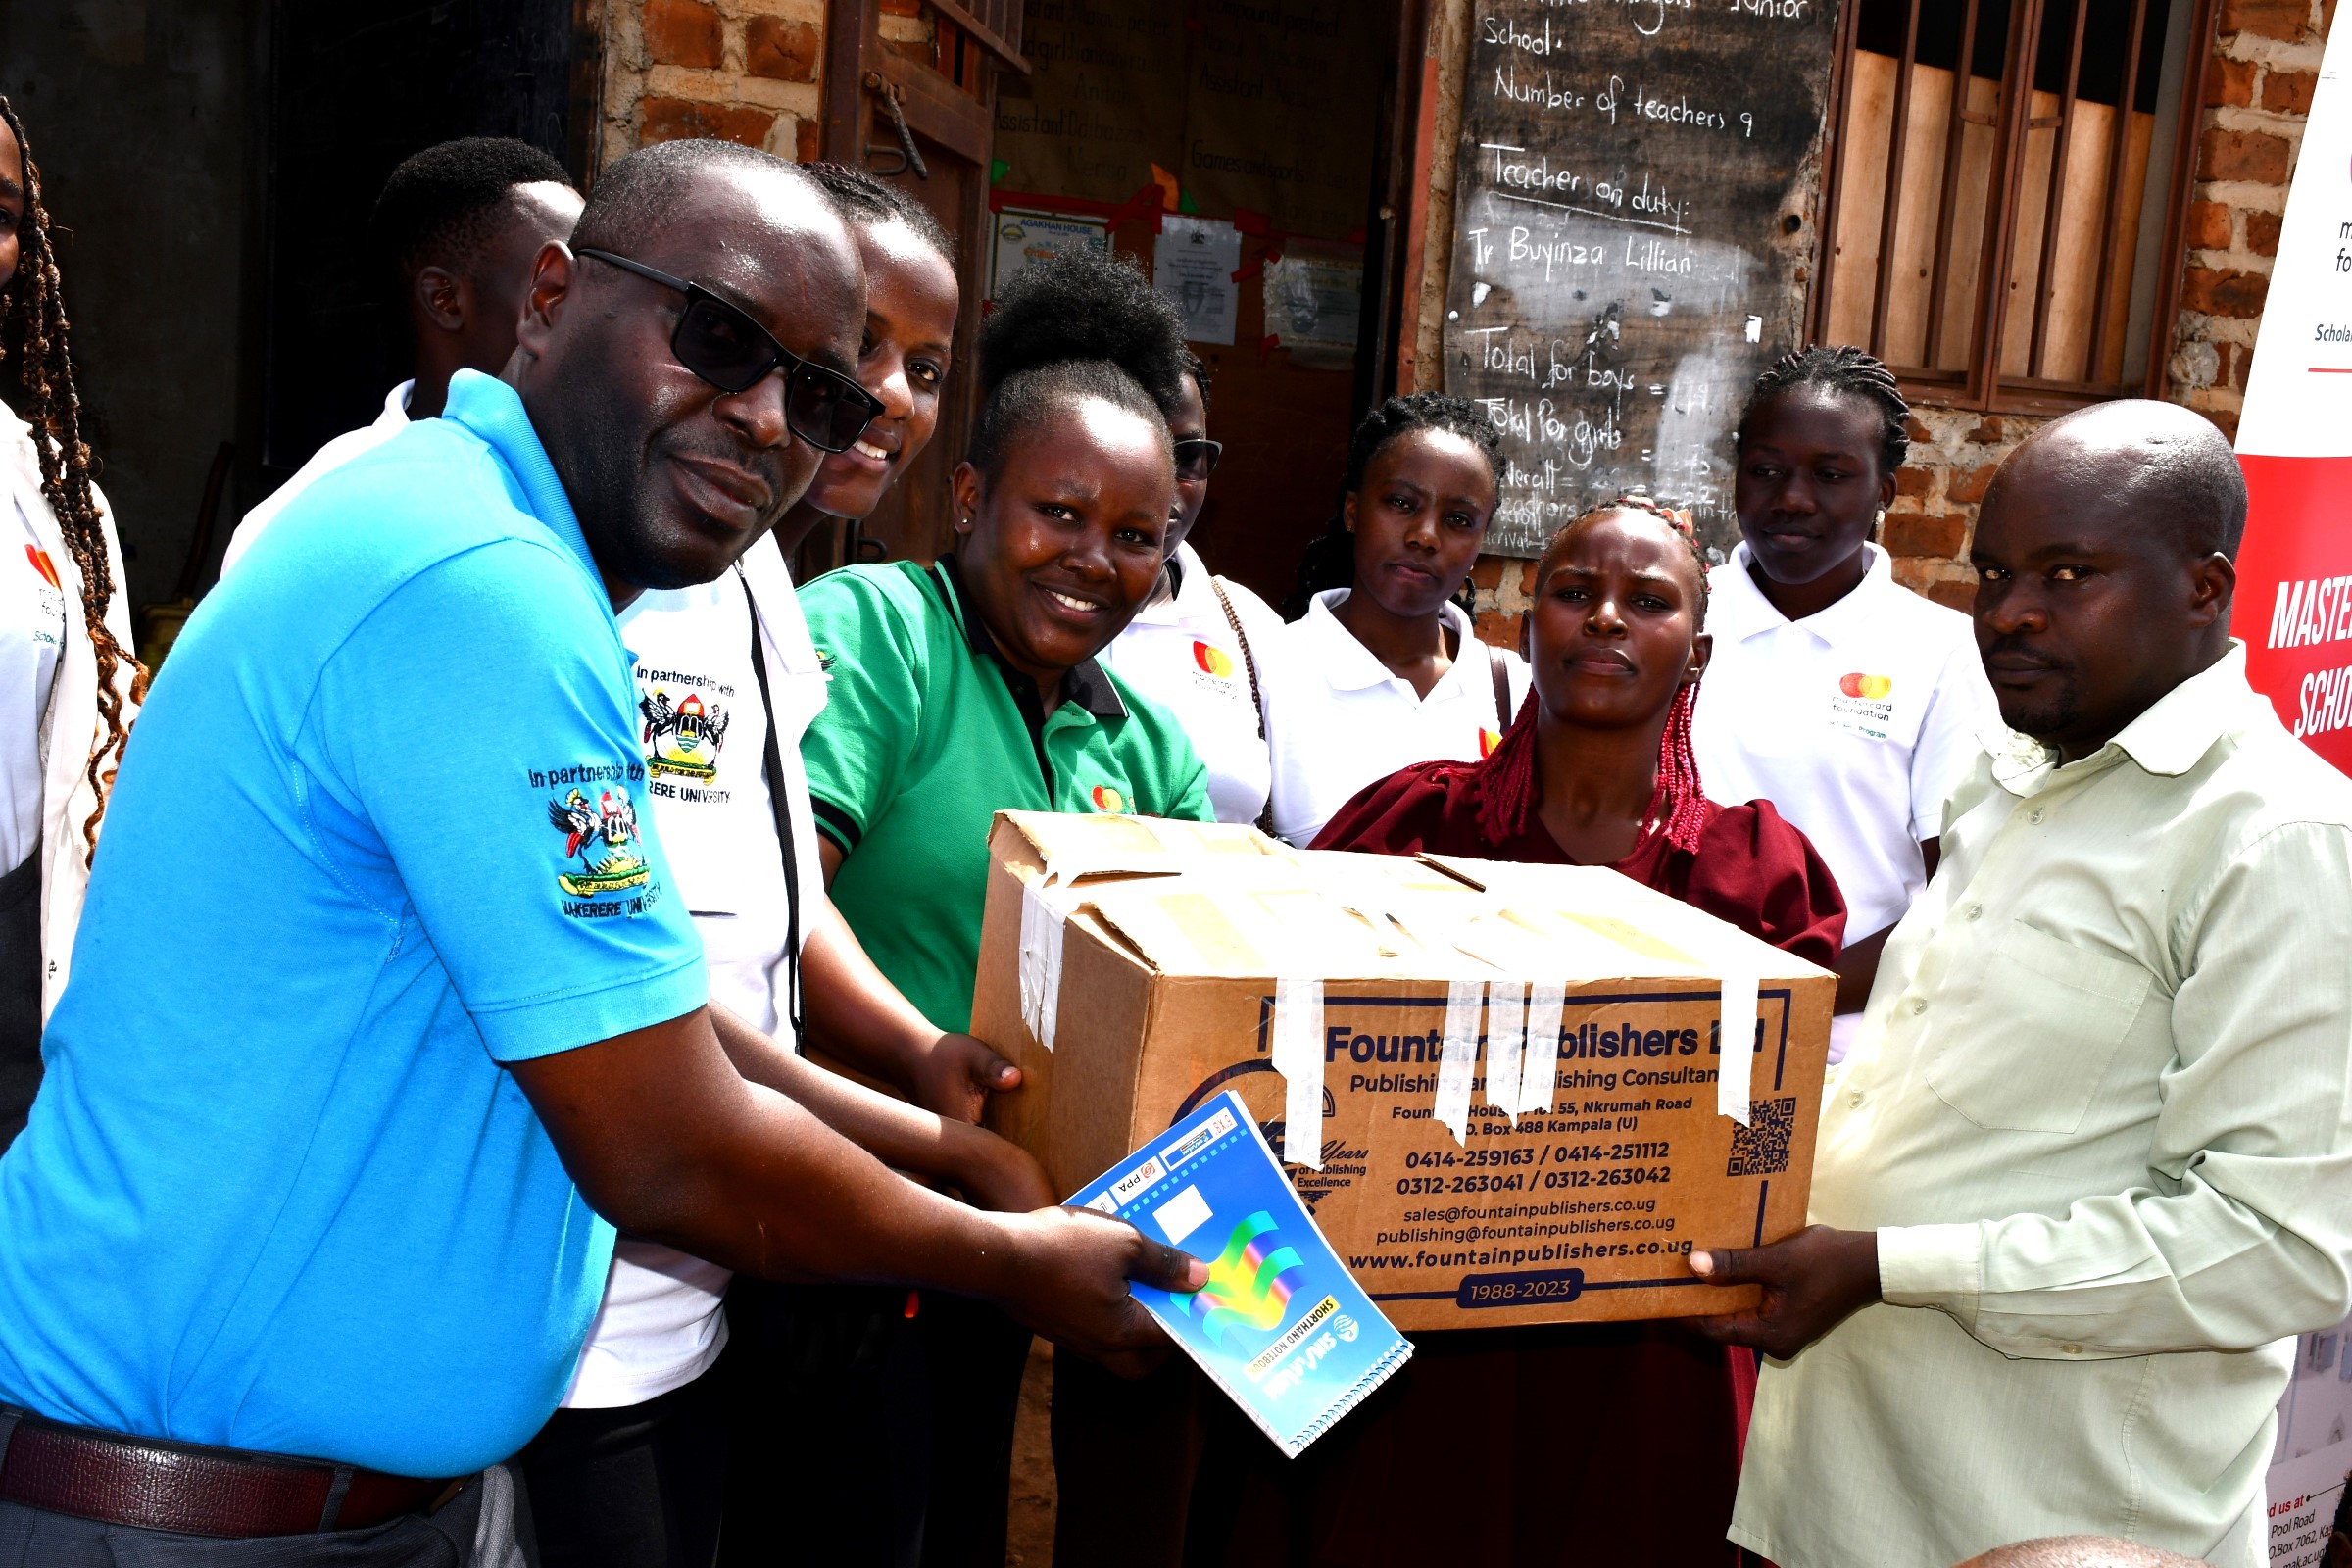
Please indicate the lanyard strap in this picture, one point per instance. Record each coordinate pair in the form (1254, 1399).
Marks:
(782, 807)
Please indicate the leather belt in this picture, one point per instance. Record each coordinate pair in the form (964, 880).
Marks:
(149, 1484)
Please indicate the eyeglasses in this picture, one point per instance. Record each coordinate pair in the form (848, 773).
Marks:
(1196, 460)
(732, 352)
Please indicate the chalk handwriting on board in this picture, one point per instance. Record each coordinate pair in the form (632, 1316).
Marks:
(1634, 221)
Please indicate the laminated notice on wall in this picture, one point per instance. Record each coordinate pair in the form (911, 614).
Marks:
(1281, 1326)
(1023, 238)
(1313, 306)
(1193, 262)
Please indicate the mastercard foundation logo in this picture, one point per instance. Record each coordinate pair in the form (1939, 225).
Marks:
(1488, 740)
(1871, 686)
(1212, 659)
(1106, 799)
(45, 566)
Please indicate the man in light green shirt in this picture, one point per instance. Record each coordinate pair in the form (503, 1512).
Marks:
(2088, 1170)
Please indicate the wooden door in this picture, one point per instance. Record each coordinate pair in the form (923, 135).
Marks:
(945, 97)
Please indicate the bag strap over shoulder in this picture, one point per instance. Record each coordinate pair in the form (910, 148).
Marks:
(1257, 698)
(781, 804)
(1501, 669)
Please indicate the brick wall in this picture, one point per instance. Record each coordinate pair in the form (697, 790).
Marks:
(746, 71)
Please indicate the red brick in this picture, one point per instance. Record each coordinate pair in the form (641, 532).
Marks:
(783, 50)
(684, 32)
(1499, 630)
(1936, 534)
(1990, 430)
(1960, 596)
(2288, 92)
(676, 119)
(1915, 430)
(2262, 233)
(803, 141)
(1911, 480)
(2240, 365)
(2272, 19)
(1527, 580)
(2208, 226)
(1969, 488)
(902, 8)
(2242, 155)
(2229, 81)
(2220, 292)
(2223, 419)
(1486, 572)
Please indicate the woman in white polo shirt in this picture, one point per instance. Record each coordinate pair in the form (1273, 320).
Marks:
(69, 686)
(1389, 672)
(1200, 645)
(1850, 703)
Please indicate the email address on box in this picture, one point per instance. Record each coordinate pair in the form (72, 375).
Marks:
(1464, 1223)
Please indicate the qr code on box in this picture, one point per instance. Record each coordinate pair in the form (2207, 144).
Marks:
(1761, 1149)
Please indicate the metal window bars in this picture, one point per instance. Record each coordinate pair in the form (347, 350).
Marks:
(2008, 185)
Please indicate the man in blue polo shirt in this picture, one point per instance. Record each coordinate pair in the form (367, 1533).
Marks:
(383, 958)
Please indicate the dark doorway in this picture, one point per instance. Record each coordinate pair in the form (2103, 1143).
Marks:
(355, 90)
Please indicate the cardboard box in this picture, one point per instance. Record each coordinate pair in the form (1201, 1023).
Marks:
(1133, 967)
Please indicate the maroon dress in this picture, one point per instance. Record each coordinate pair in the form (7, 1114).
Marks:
(1566, 1446)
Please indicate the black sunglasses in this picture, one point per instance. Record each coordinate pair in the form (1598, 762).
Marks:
(1196, 458)
(732, 352)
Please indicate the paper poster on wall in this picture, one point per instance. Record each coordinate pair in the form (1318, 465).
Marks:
(1313, 304)
(1023, 238)
(2294, 607)
(1193, 262)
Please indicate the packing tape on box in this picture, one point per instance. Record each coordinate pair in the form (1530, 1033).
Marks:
(1738, 1043)
(1506, 1036)
(1298, 1050)
(1042, 926)
(1540, 1072)
(1459, 1062)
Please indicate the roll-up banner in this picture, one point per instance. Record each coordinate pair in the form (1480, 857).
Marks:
(2295, 440)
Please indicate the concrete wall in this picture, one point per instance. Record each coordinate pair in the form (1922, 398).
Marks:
(138, 112)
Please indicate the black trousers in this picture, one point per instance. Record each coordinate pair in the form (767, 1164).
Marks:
(636, 1486)
(20, 993)
(866, 1439)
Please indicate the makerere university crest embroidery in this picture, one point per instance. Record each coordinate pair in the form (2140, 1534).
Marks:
(610, 826)
(698, 732)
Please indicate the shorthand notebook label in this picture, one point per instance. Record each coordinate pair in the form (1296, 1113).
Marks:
(1281, 1326)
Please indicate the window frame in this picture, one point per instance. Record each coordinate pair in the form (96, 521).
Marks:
(1982, 387)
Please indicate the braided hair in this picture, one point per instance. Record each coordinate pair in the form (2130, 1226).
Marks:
(1844, 371)
(1505, 781)
(1330, 559)
(33, 332)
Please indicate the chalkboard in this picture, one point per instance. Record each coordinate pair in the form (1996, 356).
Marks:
(1634, 226)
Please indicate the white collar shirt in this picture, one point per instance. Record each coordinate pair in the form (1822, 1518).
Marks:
(2101, 1117)
(1855, 722)
(341, 450)
(1182, 652)
(705, 735)
(1338, 719)
(69, 725)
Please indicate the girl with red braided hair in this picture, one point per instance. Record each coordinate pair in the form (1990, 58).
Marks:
(68, 685)
(1613, 1442)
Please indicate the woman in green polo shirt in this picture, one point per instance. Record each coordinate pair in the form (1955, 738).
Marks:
(969, 687)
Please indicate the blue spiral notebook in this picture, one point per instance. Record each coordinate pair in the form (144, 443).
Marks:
(1281, 1325)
